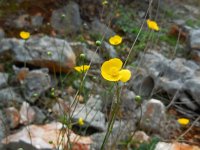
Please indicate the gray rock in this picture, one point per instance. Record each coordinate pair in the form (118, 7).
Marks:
(2, 34)
(109, 49)
(37, 20)
(98, 28)
(2, 127)
(91, 117)
(39, 116)
(194, 40)
(67, 19)
(35, 83)
(192, 86)
(94, 102)
(3, 79)
(153, 117)
(92, 56)
(21, 21)
(55, 54)
(157, 73)
(187, 101)
(10, 95)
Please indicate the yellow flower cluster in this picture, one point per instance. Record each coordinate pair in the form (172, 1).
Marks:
(82, 68)
(80, 121)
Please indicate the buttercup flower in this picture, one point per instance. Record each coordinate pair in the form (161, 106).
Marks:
(24, 35)
(111, 71)
(82, 68)
(115, 40)
(153, 25)
(80, 121)
(183, 121)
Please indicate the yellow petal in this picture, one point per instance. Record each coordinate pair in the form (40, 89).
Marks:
(152, 25)
(125, 75)
(24, 35)
(115, 40)
(110, 77)
(82, 68)
(108, 65)
(183, 121)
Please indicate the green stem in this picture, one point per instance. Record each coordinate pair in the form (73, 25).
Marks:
(114, 111)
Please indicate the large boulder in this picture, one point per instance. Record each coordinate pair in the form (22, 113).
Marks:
(55, 54)
(67, 19)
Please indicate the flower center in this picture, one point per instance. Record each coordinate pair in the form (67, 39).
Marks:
(114, 71)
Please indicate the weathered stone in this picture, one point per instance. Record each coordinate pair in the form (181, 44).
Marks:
(2, 127)
(192, 86)
(8, 96)
(35, 83)
(55, 54)
(99, 28)
(3, 79)
(39, 115)
(91, 117)
(67, 19)
(37, 20)
(27, 114)
(45, 137)
(12, 117)
(153, 116)
(109, 49)
(95, 102)
(2, 34)
(194, 40)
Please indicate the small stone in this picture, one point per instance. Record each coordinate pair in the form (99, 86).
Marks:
(27, 114)
(12, 116)
(153, 117)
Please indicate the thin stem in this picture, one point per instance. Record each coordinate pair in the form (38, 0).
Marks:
(114, 111)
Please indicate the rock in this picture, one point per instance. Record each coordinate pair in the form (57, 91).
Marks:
(35, 83)
(61, 108)
(9, 96)
(187, 101)
(12, 117)
(39, 115)
(115, 137)
(98, 28)
(27, 114)
(140, 137)
(194, 40)
(128, 105)
(67, 19)
(175, 146)
(195, 55)
(94, 102)
(2, 127)
(192, 86)
(153, 116)
(3, 79)
(157, 73)
(49, 136)
(92, 56)
(109, 49)
(37, 20)
(2, 33)
(55, 54)
(91, 117)
(18, 22)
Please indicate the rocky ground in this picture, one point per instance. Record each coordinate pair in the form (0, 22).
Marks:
(39, 86)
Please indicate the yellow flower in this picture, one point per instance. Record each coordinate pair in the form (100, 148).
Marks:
(111, 71)
(115, 40)
(80, 121)
(153, 25)
(82, 68)
(24, 35)
(183, 121)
